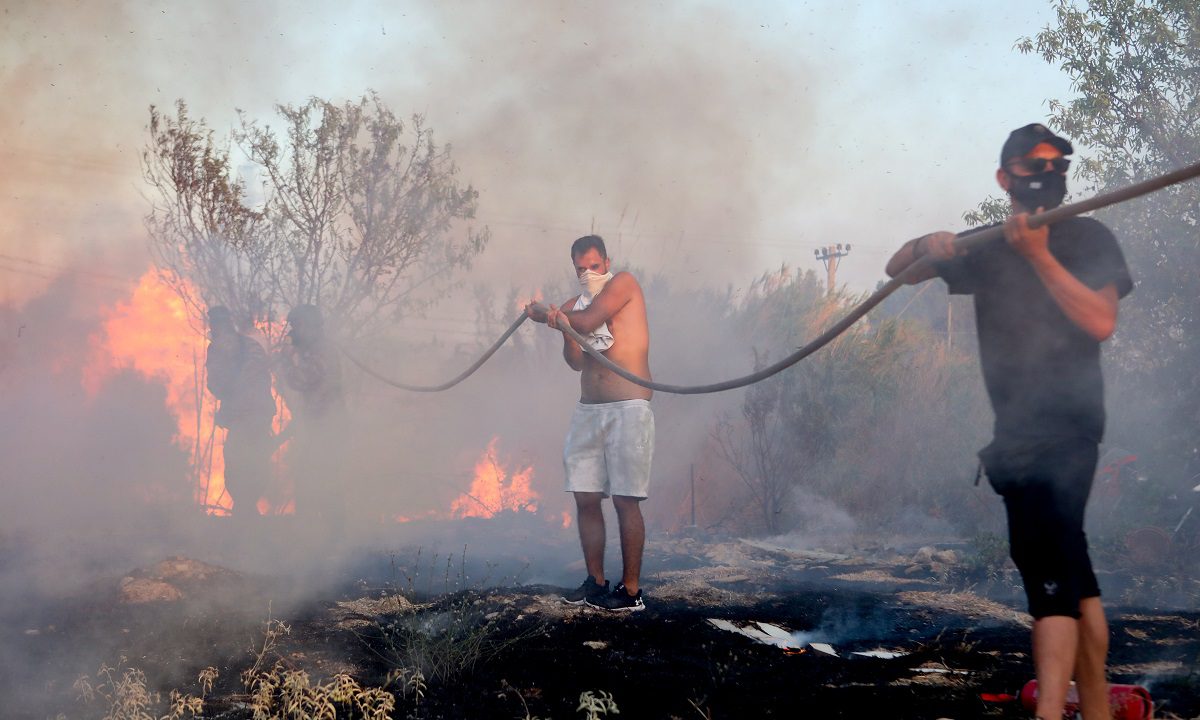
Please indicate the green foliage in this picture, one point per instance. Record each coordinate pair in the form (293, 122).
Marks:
(442, 641)
(862, 423)
(990, 211)
(597, 706)
(1136, 68)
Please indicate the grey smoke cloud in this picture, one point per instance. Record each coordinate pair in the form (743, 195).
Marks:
(649, 127)
(707, 140)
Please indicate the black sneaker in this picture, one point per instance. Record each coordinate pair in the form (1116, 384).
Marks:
(590, 589)
(619, 600)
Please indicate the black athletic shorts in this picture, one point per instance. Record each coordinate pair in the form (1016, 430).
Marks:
(1045, 485)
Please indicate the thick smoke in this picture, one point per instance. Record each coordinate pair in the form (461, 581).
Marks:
(685, 135)
(661, 131)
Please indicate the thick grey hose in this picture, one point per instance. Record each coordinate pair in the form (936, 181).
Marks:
(450, 383)
(965, 241)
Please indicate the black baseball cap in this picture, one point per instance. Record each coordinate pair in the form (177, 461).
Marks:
(1022, 140)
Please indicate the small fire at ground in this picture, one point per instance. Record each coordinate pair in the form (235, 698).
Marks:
(495, 488)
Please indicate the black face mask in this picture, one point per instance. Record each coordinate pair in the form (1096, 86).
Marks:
(1044, 190)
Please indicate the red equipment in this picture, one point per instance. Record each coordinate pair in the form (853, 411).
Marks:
(1129, 702)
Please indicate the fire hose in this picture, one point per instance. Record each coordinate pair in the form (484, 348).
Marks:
(964, 242)
(449, 383)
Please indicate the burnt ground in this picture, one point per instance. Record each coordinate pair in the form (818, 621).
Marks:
(515, 651)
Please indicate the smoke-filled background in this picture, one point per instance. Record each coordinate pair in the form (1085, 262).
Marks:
(714, 146)
(706, 143)
(753, 134)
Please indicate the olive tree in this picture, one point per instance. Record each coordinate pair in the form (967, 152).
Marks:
(356, 212)
(1135, 66)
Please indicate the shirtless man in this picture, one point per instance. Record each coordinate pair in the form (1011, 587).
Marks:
(611, 439)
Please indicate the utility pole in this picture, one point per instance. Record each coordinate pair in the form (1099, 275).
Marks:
(949, 321)
(831, 256)
(692, 474)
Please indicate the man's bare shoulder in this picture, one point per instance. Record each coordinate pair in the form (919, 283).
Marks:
(569, 303)
(624, 281)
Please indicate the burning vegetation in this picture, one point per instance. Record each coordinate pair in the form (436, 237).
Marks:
(816, 543)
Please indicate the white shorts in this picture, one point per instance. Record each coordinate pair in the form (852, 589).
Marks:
(609, 447)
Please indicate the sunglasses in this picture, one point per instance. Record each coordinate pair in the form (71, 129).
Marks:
(1034, 166)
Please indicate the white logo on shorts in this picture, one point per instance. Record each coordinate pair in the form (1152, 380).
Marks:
(1050, 587)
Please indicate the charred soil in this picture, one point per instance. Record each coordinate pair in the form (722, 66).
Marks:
(866, 635)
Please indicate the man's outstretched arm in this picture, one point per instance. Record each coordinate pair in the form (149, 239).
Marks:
(939, 244)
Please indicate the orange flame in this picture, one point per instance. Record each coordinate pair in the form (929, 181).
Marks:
(151, 334)
(154, 334)
(495, 490)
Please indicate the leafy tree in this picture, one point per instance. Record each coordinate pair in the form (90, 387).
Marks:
(991, 210)
(857, 422)
(1136, 68)
(356, 213)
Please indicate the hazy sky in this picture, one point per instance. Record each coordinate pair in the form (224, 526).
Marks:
(708, 141)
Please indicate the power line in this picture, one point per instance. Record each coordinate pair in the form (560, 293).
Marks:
(31, 273)
(64, 269)
(71, 162)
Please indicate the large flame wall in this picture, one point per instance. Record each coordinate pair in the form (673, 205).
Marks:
(153, 334)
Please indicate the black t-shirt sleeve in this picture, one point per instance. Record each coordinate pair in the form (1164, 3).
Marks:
(1096, 258)
(959, 275)
(962, 273)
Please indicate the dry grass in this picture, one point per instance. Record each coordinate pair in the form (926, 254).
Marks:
(878, 576)
(292, 695)
(964, 603)
(122, 694)
(274, 690)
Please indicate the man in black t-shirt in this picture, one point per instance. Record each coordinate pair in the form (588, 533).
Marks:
(239, 377)
(1044, 301)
